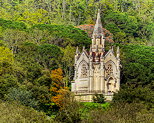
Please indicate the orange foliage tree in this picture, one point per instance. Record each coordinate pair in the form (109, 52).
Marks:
(57, 89)
(89, 29)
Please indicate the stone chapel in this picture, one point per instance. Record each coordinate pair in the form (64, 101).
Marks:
(96, 71)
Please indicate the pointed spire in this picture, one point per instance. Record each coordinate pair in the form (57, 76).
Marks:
(83, 48)
(102, 53)
(77, 50)
(98, 31)
(112, 48)
(90, 50)
(118, 52)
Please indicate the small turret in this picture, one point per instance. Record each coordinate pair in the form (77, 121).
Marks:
(77, 51)
(90, 51)
(118, 52)
(112, 48)
(83, 49)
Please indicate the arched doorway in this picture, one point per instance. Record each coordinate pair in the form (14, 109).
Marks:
(111, 85)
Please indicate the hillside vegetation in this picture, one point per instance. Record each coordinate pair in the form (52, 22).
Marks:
(38, 40)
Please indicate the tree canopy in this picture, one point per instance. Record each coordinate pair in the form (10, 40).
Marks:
(37, 46)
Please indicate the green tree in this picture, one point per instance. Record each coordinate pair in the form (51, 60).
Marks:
(50, 55)
(10, 73)
(28, 57)
(121, 24)
(7, 81)
(64, 35)
(132, 93)
(68, 62)
(137, 62)
(13, 37)
(6, 55)
(22, 96)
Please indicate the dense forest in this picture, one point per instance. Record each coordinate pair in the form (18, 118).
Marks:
(38, 40)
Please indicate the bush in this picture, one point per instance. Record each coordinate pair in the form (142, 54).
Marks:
(121, 113)
(16, 113)
(92, 105)
(131, 93)
(99, 98)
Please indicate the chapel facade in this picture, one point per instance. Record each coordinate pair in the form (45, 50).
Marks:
(96, 71)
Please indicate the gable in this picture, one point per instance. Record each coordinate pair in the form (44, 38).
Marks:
(83, 57)
(110, 56)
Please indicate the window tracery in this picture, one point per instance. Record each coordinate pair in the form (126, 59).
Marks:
(83, 71)
(109, 69)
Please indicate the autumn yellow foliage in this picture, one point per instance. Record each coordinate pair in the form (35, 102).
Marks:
(57, 75)
(59, 98)
(59, 92)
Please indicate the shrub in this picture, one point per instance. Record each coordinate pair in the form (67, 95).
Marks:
(131, 93)
(16, 113)
(121, 113)
(99, 98)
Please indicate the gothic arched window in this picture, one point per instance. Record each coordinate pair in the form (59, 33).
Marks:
(83, 71)
(109, 69)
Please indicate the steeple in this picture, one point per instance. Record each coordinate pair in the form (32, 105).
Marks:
(98, 37)
(98, 31)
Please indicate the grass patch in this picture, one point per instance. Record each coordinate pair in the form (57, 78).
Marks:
(92, 105)
(87, 107)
